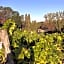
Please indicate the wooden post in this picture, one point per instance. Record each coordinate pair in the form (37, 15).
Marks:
(5, 40)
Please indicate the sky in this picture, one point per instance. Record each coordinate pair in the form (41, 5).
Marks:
(36, 8)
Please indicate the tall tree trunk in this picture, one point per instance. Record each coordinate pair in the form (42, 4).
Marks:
(5, 40)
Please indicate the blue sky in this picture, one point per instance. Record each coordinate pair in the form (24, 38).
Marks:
(37, 8)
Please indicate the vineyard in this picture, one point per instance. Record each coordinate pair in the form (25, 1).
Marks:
(33, 48)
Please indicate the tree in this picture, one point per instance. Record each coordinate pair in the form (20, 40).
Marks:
(16, 18)
(27, 22)
(57, 18)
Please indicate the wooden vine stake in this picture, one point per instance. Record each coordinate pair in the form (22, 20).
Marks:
(5, 41)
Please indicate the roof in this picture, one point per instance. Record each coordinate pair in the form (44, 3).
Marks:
(48, 26)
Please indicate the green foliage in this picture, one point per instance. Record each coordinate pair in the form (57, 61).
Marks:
(9, 25)
(47, 50)
(2, 56)
(37, 48)
(33, 48)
